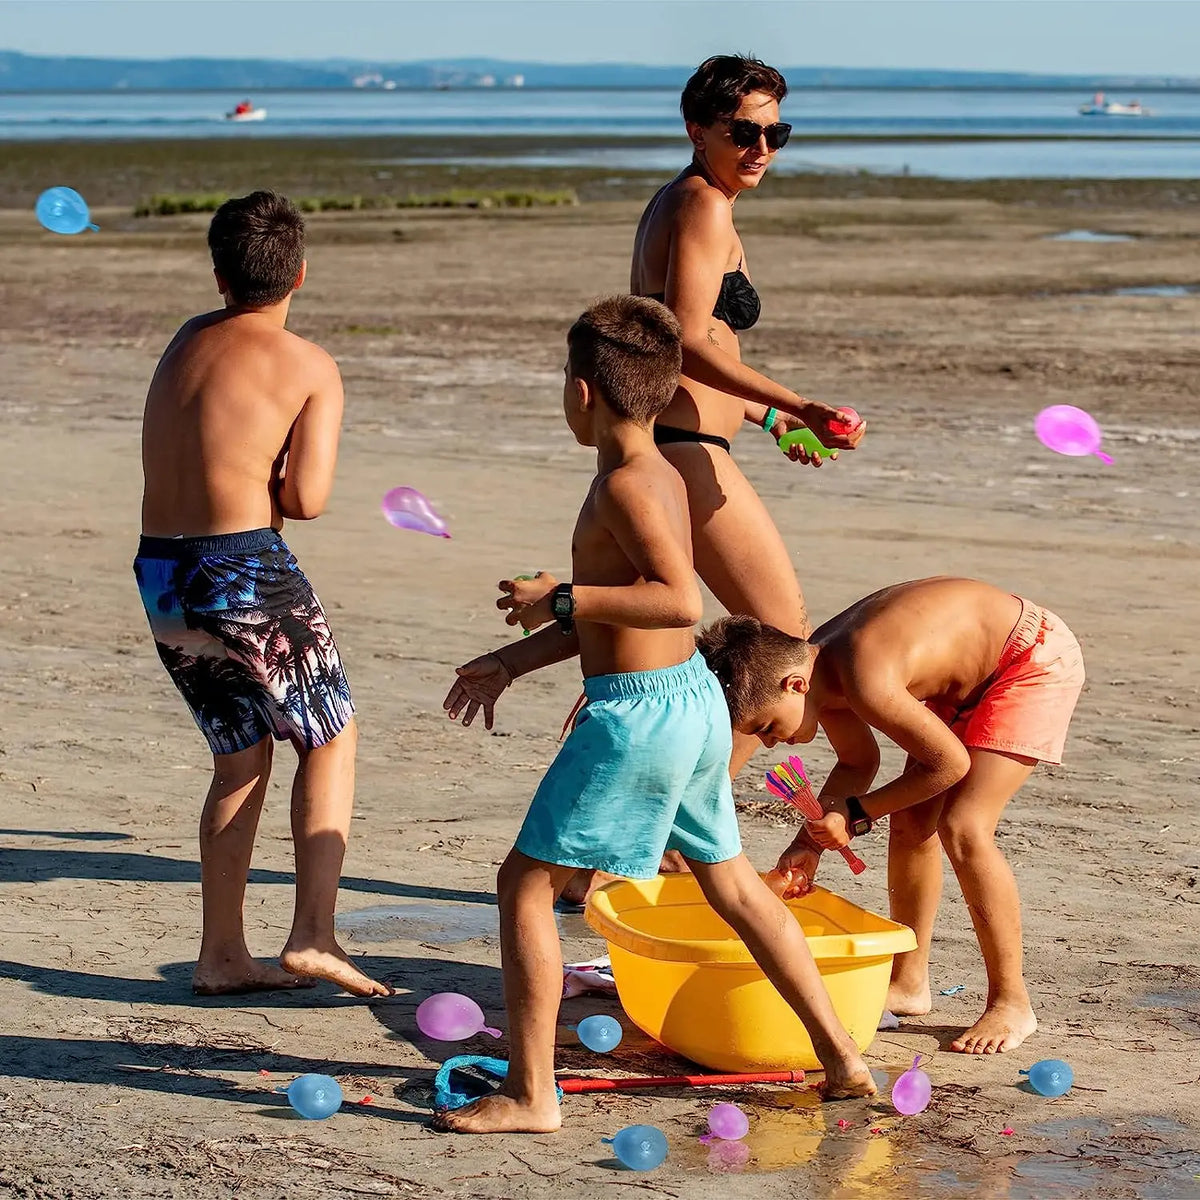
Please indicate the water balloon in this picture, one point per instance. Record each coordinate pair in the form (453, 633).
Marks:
(912, 1091)
(63, 210)
(639, 1147)
(728, 1122)
(314, 1097)
(406, 508)
(600, 1033)
(1050, 1077)
(1066, 429)
(451, 1017)
(849, 421)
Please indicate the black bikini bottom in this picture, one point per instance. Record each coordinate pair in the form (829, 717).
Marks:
(665, 434)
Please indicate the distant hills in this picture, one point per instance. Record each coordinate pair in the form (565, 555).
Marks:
(33, 73)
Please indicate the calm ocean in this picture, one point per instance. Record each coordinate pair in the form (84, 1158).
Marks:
(953, 134)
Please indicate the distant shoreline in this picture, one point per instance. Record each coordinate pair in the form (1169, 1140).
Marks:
(121, 173)
(1191, 88)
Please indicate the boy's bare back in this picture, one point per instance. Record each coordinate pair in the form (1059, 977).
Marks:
(234, 395)
(934, 638)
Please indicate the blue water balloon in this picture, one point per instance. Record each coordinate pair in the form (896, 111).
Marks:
(639, 1147)
(1050, 1077)
(63, 210)
(600, 1033)
(314, 1097)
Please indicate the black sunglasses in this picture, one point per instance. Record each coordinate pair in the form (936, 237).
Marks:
(745, 134)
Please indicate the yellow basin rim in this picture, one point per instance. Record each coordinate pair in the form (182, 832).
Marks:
(601, 914)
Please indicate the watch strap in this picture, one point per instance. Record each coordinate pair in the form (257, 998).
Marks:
(859, 822)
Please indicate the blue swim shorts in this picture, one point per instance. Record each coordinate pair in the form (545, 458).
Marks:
(646, 769)
(244, 639)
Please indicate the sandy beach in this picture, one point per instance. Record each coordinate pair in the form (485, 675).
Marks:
(948, 322)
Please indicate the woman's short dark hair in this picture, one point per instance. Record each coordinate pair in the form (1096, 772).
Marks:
(257, 244)
(719, 84)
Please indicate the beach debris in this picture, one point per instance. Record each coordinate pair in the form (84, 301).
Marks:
(953, 991)
(639, 1147)
(844, 1124)
(406, 508)
(600, 1033)
(912, 1091)
(451, 1017)
(63, 210)
(1007, 1131)
(1066, 429)
(595, 976)
(314, 1097)
(1050, 1077)
(889, 1020)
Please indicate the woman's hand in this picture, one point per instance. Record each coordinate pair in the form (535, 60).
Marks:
(786, 423)
(829, 424)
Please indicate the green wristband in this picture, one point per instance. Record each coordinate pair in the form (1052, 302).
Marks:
(770, 419)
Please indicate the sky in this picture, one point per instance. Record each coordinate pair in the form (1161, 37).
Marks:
(1061, 36)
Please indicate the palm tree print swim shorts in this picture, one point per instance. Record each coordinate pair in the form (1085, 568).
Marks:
(244, 638)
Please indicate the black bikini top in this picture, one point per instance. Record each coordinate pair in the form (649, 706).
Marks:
(737, 304)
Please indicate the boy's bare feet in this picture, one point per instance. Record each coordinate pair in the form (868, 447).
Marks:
(847, 1081)
(499, 1113)
(1003, 1026)
(315, 962)
(226, 975)
(905, 1001)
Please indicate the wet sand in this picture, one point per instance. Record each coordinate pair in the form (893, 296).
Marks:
(948, 323)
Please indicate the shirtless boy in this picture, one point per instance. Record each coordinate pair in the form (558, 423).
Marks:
(978, 686)
(240, 431)
(647, 764)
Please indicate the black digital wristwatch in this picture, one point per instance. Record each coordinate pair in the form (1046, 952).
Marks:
(562, 605)
(859, 822)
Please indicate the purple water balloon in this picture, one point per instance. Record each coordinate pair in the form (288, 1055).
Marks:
(1066, 429)
(406, 508)
(912, 1091)
(450, 1017)
(728, 1122)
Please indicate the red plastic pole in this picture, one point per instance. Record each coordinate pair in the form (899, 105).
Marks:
(573, 1087)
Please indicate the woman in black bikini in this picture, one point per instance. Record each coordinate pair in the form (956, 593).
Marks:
(688, 254)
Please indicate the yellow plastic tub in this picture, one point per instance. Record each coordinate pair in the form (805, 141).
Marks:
(686, 979)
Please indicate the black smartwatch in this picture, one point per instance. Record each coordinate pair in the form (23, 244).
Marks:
(562, 605)
(860, 823)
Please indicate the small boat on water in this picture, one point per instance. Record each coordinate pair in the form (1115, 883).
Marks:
(245, 111)
(1100, 107)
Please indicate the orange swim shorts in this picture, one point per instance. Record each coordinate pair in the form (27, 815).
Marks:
(1028, 702)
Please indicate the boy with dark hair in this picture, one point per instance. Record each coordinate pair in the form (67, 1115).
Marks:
(978, 686)
(240, 431)
(647, 763)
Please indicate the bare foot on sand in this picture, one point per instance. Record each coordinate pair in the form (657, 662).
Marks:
(1003, 1026)
(847, 1081)
(499, 1113)
(906, 1001)
(230, 976)
(332, 964)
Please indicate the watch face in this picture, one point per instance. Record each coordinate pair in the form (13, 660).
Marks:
(561, 604)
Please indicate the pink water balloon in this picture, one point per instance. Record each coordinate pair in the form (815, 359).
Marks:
(728, 1122)
(1066, 429)
(911, 1093)
(451, 1017)
(406, 508)
(849, 421)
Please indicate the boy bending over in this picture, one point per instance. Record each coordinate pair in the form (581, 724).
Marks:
(978, 686)
(647, 764)
(240, 431)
